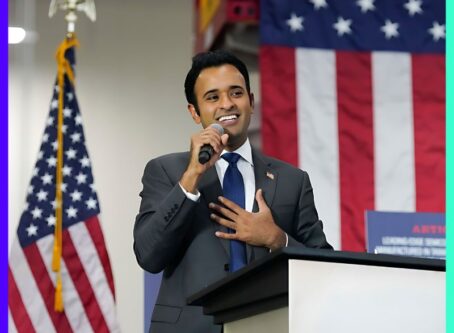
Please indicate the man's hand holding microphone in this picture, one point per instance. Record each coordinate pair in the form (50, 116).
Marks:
(206, 148)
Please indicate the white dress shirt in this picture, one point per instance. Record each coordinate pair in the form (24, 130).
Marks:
(246, 167)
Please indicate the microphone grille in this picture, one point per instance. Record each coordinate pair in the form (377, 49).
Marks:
(218, 128)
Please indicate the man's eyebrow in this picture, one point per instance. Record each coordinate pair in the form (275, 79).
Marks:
(210, 91)
(216, 90)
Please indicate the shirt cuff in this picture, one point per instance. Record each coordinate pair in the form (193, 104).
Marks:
(286, 242)
(192, 196)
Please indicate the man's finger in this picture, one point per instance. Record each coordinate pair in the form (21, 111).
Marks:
(230, 205)
(260, 200)
(223, 211)
(225, 235)
(224, 139)
(223, 221)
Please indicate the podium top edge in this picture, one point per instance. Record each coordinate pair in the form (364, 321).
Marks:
(322, 255)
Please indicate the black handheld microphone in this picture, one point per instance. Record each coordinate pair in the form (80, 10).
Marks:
(207, 151)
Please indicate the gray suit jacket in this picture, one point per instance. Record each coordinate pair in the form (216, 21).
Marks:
(175, 234)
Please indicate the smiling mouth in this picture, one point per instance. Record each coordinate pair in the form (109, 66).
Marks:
(228, 118)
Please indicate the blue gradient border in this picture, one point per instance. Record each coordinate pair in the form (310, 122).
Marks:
(449, 167)
(4, 164)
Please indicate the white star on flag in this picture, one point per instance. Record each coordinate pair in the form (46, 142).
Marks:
(45, 137)
(319, 4)
(85, 162)
(30, 189)
(32, 230)
(76, 195)
(342, 26)
(91, 203)
(46, 179)
(295, 22)
(66, 170)
(71, 212)
(63, 187)
(75, 137)
(50, 220)
(67, 112)
(70, 153)
(41, 195)
(366, 5)
(37, 212)
(35, 172)
(40, 154)
(81, 178)
(54, 104)
(50, 121)
(78, 119)
(70, 96)
(413, 7)
(390, 29)
(437, 31)
(51, 161)
(57, 89)
(55, 145)
(54, 203)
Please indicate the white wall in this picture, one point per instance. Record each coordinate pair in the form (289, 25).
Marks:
(130, 71)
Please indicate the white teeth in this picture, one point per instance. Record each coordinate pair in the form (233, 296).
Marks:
(231, 117)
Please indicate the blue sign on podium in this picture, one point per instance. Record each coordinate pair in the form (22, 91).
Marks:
(408, 234)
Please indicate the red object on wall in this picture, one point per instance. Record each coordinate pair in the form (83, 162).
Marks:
(229, 12)
(243, 10)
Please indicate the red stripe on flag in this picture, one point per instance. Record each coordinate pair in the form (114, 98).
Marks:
(278, 105)
(46, 287)
(94, 228)
(356, 149)
(429, 124)
(17, 308)
(82, 284)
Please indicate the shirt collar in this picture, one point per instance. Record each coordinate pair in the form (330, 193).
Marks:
(245, 151)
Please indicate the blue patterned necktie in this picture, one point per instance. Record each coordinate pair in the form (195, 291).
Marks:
(233, 187)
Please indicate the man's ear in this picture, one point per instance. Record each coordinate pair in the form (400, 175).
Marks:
(251, 101)
(194, 114)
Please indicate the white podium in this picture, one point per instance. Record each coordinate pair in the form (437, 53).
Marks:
(317, 291)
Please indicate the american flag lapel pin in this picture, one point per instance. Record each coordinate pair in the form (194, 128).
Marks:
(270, 175)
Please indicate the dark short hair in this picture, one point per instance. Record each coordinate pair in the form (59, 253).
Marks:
(211, 59)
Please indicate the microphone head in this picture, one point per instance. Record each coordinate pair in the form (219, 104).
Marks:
(218, 128)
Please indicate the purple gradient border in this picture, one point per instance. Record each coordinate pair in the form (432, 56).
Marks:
(4, 164)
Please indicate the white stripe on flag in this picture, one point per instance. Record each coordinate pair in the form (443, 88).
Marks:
(29, 291)
(95, 273)
(11, 326)
(74, 309)
(393, 132)
(317, 133)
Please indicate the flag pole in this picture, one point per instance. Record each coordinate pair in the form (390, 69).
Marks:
(64, 68)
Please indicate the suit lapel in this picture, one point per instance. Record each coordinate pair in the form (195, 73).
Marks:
(210, 189)
(265, 178)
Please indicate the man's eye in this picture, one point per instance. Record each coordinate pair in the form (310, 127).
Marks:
(212, 97)
(237, 93)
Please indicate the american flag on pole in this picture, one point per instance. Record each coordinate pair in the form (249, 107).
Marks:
(86, 301)
(353, 91)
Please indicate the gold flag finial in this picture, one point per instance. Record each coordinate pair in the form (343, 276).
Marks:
(72, 7)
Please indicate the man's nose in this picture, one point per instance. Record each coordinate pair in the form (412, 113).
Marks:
(226, 102)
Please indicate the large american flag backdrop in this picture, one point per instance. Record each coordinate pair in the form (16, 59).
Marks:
(353, 91)
(87, 281)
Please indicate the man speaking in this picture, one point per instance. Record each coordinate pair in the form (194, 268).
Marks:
(212, 210)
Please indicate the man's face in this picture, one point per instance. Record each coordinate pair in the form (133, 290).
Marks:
(222, 98)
